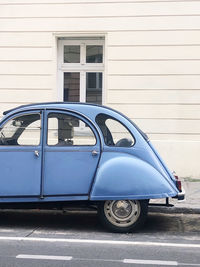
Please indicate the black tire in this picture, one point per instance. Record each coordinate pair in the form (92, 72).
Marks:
(123, 216)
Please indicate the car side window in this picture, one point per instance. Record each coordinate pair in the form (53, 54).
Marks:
(23, 130)
(114, 132)
(68, 130)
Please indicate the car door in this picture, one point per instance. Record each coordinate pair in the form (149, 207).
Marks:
(72, 152)
(21, 155)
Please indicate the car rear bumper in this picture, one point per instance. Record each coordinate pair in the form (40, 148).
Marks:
(181, 195)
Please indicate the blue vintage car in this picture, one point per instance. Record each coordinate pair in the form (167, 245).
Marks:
(58, 155)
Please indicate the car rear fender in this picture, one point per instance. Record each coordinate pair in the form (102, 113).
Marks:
(127, 177)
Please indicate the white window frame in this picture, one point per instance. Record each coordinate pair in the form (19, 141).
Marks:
(81, 67)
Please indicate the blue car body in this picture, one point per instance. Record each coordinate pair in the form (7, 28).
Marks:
(95, 172)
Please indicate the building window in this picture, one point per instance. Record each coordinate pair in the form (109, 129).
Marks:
(81, 69)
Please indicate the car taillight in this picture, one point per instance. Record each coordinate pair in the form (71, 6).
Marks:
(178, 183)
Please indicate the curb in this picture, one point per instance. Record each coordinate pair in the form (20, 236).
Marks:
(174, 210)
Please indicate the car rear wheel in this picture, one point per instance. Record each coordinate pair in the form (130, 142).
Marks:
(123, 215)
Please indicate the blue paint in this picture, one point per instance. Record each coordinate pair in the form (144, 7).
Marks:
(122, 176)
(20, 169)
(72, 173)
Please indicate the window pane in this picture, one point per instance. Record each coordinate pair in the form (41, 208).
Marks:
(23, 130)
(52, 131)
(71, 87)
(94, 87)
(71, 54)
(62, 131)
(94, 54)
(114, 132)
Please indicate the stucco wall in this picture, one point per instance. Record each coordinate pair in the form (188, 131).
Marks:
(152, 63)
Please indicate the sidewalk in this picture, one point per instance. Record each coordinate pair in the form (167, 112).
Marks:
(191, 204)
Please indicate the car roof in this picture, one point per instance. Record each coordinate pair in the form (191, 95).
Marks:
(54, 105)
(90, 110)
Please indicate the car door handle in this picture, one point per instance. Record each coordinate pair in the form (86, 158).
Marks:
(94, 153)
(37, 154)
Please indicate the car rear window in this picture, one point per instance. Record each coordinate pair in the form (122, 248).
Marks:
(114, 132)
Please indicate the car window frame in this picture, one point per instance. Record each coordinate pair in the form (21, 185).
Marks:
(19, 114)
(112, 117)
(78, 116)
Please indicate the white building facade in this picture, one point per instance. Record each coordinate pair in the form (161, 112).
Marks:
(139, 57)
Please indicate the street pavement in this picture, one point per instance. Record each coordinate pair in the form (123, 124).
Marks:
(51, 238)
(89, 254)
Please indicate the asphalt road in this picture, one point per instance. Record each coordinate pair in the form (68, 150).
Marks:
(37, 238)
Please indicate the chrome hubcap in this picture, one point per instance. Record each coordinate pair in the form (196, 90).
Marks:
(122, 209)
(122, 213)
